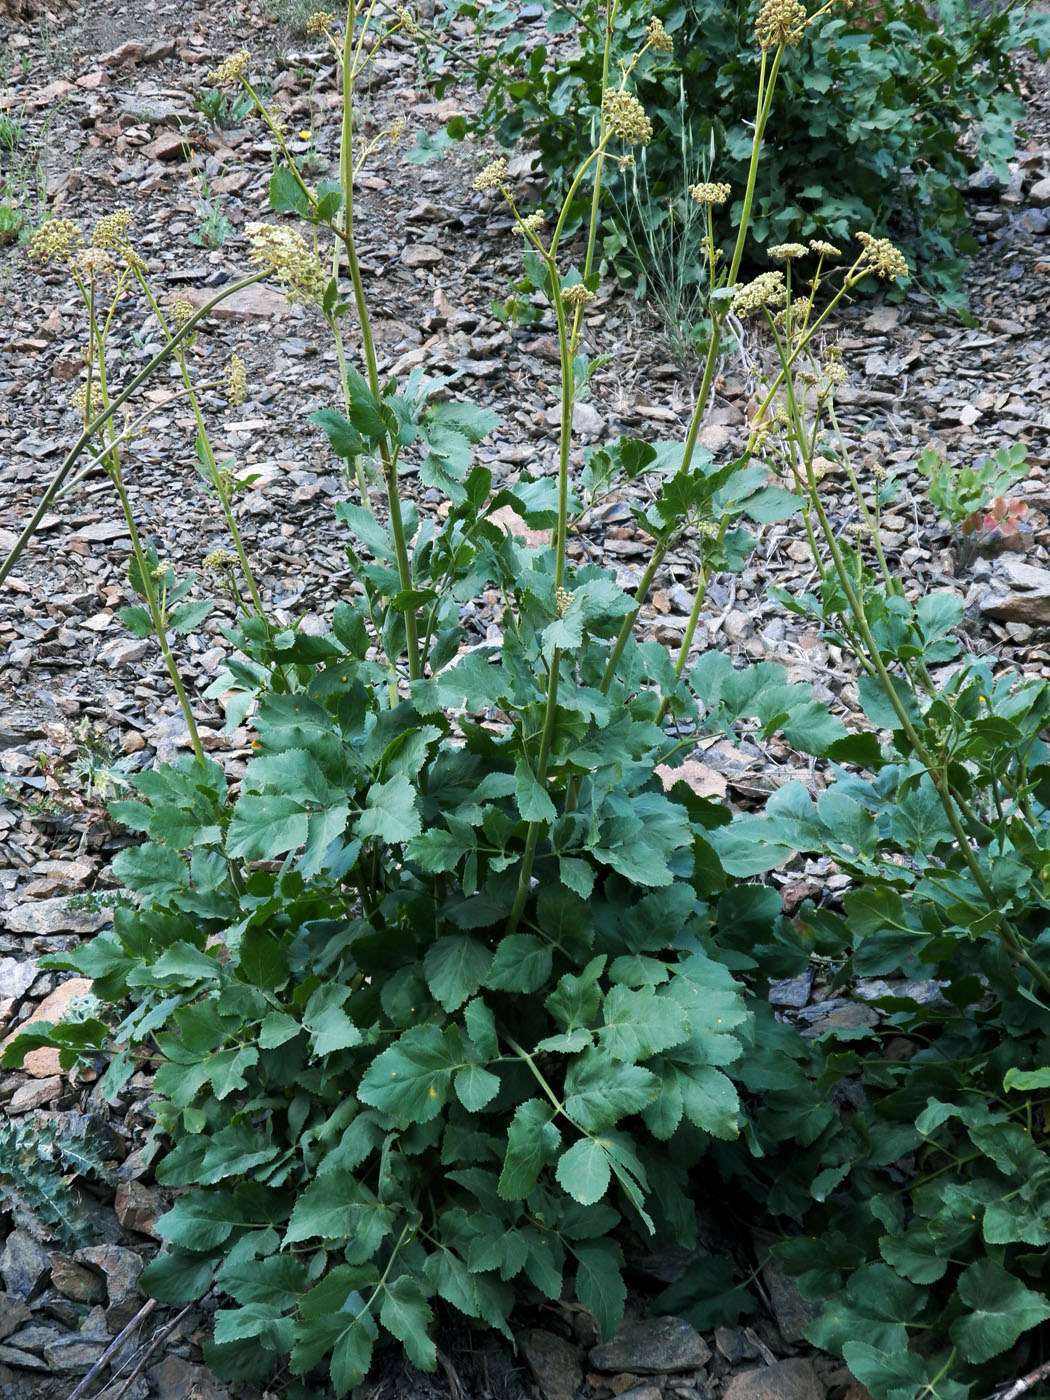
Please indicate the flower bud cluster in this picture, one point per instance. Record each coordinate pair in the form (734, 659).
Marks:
(882, 258)
(780, 22)
(492, 176)
(827, 250)
(625, 117)
(766, 291)
(55, 240)
(236, 381)
(657, 36)
(231, 69)
(111, 231)
(577, 296)
(709, 193)
(787, 252)
(287, 254)
(320, 22)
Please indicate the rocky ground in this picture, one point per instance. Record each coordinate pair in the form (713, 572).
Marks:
(106, 115)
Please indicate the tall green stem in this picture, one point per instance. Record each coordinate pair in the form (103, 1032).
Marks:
(99, 421)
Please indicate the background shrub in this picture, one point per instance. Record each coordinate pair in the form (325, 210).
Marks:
(879, 117)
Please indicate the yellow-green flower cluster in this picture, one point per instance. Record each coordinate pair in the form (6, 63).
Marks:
(236, 381)
(835, 372)
(492, 176)
(54, 240)
(562, 601)
(765, 292)
(657, 36)
(231, 69)
(532, 223)
(780, 22)
(710, 193)
(320, 22)
(577, 296)
(786, 252)
(396, 130)
(181, 311)
(94, 263)
(278, 125)
(111, 231)
(882, 258)
(287, 254)
(217, 559)
(827, 250)
(625, 117)
(408, 22)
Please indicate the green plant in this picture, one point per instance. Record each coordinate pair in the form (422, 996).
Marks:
(367, 1114)
(23, 175)
(214, 228)
(884, 109)
(972, 499)
(40, 1163)
(462, 983)
(12, 221)
(916, 1199)
(222, 110)
(669, 239)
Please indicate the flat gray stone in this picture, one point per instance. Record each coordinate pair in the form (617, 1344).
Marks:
(24, 1265)
(554, 1363)
(794, 1379)
(44, 916)
(16, 977)
(1017, 592)
(653, 1346)
(74, 1355)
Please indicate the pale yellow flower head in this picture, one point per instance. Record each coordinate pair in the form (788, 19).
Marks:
(532, 223)
(882, 258)
(236, 381)
(111, 231)
(626, 118)
(55, 239)
(780, 22)
(94, 262)
(577, 296)
(827, 250)
(217, 559)
(396, 130)
(492, 176)
(787, 252)
(181, 311)
(320, 22)
(408, 22)
(766, 291)
(231, 69)
(708, 192)
(287, 254)
(658, 37)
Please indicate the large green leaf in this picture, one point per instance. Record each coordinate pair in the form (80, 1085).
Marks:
(584, 1171)
(1001, 1308)
(406, 1315)
(410, 1080)
(265, 826)
(532, 1143)
(455, 967)
(599, 1091)
(390, 812)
